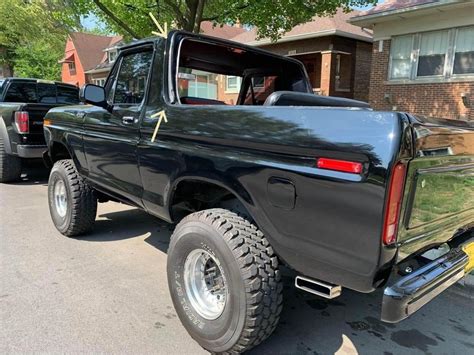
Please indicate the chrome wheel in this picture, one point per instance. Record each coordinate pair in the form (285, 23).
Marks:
(205, 284)
(60, 197)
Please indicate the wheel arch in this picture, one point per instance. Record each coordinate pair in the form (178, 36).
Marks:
(210, 192)
(59, 150)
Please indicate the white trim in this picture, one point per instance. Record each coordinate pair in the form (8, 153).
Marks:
(95, 71)
(309, 35)
(317, 52)
(228, 90)
(431, 80)
(367, 20)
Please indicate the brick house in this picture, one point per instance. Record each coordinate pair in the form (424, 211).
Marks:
(422, 57)
(336, 54)
(88, 58)
(83, 53)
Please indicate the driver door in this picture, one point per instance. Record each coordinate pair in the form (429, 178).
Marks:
(111, 136)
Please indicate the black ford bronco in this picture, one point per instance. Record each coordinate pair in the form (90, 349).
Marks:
(23, 104)
(230, 142)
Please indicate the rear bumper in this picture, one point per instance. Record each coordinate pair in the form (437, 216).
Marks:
(31, 151)
(413, 291)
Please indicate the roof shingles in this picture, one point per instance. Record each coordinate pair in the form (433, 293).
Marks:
(90, 48)
(338, 22)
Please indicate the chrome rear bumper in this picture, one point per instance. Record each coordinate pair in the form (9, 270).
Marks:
(413, 291)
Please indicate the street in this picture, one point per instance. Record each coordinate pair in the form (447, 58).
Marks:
(107, 293)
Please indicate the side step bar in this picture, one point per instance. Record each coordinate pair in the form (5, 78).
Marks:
(318, 287)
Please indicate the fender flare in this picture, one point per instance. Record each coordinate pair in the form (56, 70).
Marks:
(5, 136)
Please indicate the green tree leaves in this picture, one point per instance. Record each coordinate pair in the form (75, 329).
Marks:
(272, 18)
(33, 34)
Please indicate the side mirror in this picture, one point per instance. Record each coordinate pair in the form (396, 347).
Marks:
(94, 95)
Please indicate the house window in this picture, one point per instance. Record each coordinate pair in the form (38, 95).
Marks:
(200, 84)
(112, 55)
(401, 57)
(432, 54)
(233, 83)
(72, 68)
(464, 51)
(343, 72)
(99, 81)
(437, 54)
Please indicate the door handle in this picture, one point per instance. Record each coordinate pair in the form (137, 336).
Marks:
(128, 119)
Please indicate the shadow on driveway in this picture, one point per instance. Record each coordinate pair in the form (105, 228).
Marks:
(131, 223)
(34, 172)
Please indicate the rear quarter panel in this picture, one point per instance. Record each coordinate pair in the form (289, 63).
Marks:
(333, 231)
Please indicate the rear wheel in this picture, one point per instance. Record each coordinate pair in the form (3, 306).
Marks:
(10, 165)
(72, 202)
(224, 281)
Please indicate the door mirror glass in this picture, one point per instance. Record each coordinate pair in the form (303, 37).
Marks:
(94, 95)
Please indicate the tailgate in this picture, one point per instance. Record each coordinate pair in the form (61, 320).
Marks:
(439, 192)
(36, 114)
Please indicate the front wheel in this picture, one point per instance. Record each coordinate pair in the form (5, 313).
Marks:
(72, 202)
(224, 281)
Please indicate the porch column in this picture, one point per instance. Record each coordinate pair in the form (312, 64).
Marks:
(328, 68)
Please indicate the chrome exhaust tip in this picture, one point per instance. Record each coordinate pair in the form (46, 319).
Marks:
(319, 288)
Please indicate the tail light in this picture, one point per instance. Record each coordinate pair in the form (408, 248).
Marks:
(22, 121)
(393, 204)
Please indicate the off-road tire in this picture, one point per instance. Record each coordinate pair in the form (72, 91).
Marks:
(81, 200)
(252, 273)
(10, 165)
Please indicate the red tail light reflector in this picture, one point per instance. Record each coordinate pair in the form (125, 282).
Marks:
(393, 204)
(22, 121)
(339, 165)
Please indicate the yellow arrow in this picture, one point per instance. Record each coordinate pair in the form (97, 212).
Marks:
(163, 31)
(162, 116)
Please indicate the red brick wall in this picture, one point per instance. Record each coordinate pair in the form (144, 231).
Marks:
(363, 60)
(432, 99)
(79, 78)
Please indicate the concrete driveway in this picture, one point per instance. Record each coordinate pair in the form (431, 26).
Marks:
(108, 292)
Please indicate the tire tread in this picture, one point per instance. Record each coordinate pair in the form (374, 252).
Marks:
(259, 269)
(10, 165)
(83, 201)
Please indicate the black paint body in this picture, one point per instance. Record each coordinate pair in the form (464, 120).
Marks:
(324, 224)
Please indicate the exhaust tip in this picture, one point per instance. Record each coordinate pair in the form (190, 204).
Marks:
(319, 288)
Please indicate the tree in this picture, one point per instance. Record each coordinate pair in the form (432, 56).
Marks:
(32, 35)
(272, 18)
(40, 60)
